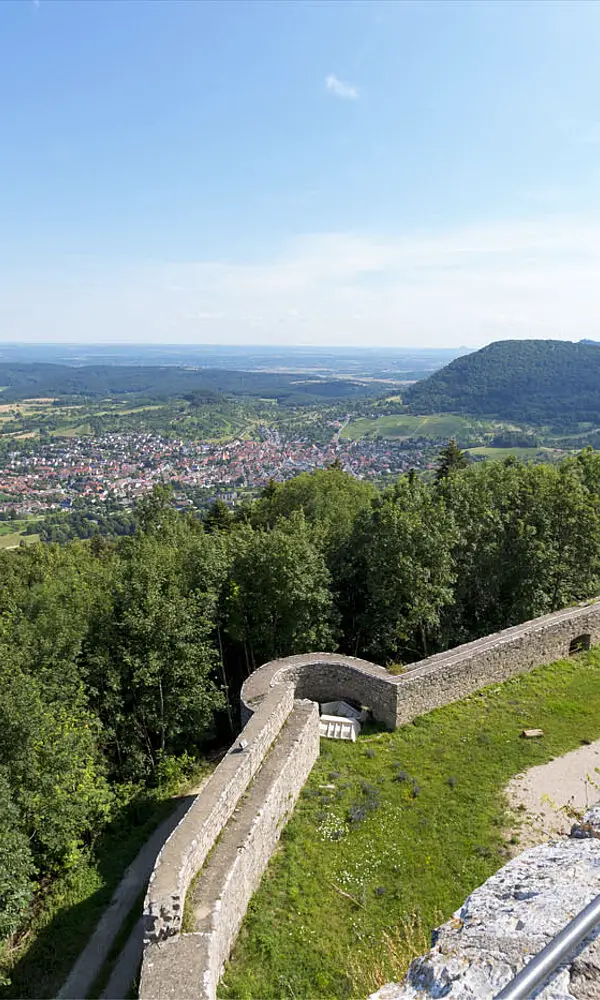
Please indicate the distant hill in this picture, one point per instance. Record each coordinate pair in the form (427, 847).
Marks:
(23, 380)
(536, 381)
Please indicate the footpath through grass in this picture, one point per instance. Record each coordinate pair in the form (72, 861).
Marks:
(36, 962)
(406, 824)
(40, 958)
(12, 539)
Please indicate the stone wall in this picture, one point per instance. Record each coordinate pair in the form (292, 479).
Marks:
(268, 697)
(190, 965)
(430, 683)
(449, 676)
(185, 851)
(324, 677)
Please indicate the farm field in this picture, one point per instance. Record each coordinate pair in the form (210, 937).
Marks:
(23, 418)
(392, 833)
(66, 431)
(12, 539)
(525, 454)
(403, 425)
(11, 527)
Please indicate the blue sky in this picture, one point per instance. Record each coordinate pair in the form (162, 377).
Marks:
(403, 174)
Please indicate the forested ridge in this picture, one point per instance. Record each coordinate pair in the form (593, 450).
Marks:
(535, 381)
(21, 380)
(121, 659)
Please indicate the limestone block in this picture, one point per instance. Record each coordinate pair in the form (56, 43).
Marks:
(507, 921)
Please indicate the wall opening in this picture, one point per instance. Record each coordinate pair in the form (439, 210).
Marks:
(580, 644)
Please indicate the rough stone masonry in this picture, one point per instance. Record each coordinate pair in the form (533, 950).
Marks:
(269, 697)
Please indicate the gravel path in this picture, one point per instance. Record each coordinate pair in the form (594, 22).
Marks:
(93, 956)
(548, 795)
(127, 965)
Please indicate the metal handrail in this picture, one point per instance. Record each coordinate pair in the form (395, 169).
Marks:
(549, 958)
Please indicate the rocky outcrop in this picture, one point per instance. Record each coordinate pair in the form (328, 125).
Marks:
(508, 920)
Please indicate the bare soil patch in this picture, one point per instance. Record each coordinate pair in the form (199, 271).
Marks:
(548, 797)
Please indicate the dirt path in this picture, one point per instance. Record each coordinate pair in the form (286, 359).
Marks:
(548, 796)
(92, 958)
(127, 966)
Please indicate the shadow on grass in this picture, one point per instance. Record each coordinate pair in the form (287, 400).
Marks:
(69, 915)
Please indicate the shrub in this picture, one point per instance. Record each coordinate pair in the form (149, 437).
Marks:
(356, 814)
(16, 865)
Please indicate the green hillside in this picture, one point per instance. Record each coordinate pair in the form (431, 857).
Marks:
(21, 381)
(534, 381)
(405, 425)
(120, 656)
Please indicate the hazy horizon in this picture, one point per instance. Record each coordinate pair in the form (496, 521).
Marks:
(224, 346)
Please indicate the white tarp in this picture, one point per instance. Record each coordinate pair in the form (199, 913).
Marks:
(344, 709)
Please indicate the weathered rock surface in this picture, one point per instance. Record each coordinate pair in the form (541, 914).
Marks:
(589, 825)
(506, 921)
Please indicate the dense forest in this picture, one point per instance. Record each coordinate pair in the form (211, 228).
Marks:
(122, 658)
(22, 381)
(533, 381)
(82, 522)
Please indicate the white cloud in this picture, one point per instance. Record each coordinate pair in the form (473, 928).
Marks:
(347, 91)
(467, 285)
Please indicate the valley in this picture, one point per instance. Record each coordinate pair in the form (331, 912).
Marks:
(196, 535)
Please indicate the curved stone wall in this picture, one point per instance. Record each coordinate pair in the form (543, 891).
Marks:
(177, 964)
(430, 683)
(324, 677)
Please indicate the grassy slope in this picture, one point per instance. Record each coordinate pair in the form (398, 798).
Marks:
(403, 425)
(524, 454)
(419, 850)
(499, 453)
(12, 527)
(12, 539)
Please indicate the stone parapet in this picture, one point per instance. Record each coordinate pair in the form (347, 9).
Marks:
(505, 923)
(324, 677)
(450, 676)
(188, 965)
(433, 682)
(185, 851)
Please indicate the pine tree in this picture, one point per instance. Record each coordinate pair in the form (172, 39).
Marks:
(450, 460)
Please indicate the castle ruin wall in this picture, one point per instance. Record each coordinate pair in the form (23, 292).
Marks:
(190, 963)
